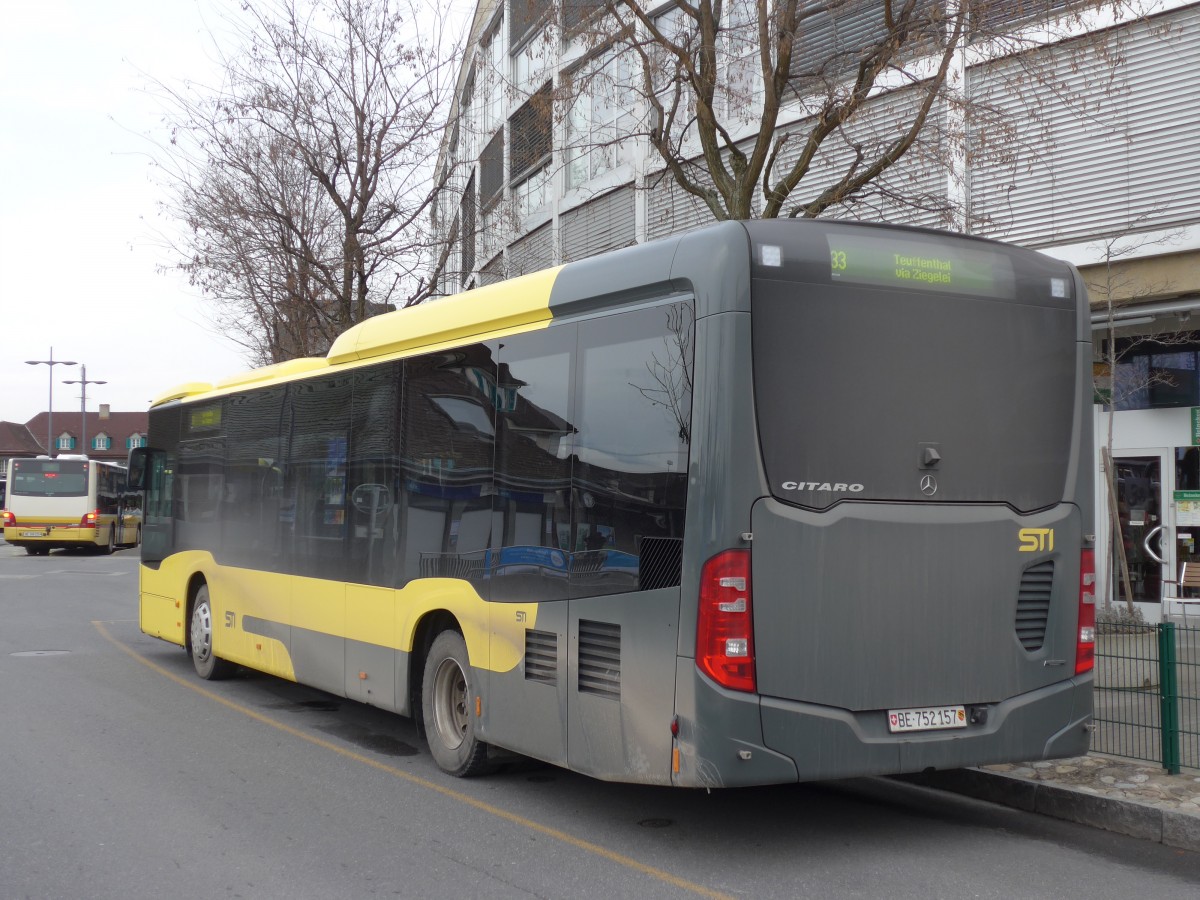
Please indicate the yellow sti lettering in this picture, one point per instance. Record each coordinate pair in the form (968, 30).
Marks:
(1034, 540)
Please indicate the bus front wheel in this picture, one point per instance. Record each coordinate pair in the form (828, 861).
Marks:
(208, 665)
(448, 705)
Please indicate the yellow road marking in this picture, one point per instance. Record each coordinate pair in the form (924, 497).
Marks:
(587, 846)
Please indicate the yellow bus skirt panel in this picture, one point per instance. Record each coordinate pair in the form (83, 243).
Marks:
(249, 608)
(161, 617)
(234, 594)
(371, 615)
(499, 652)
(163, 604)
(273, 603)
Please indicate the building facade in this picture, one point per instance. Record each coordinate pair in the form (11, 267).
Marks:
(1079, 141)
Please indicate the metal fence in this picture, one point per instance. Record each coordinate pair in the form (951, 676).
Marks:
(1148, 694)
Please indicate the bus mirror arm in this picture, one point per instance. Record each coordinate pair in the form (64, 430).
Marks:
(1146, 544)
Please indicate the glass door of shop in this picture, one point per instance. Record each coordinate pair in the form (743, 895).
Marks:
(1145, 554)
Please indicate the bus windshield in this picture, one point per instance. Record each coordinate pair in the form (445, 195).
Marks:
(49, 478)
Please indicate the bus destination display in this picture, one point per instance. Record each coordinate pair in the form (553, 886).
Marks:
(919, 265)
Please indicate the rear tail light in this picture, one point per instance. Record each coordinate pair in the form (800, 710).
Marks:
(7, 519)
(89, 519)
(725, 628)
(1085, 647)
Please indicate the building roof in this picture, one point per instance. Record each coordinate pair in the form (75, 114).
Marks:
(117, 425)
(17, 440)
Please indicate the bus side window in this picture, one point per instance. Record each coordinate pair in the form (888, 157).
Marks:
(633, 407)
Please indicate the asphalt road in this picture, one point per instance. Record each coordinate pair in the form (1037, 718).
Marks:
(124, 776)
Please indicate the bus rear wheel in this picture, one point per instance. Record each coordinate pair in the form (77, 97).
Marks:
(208, 666)
(37, 551)
(448, 706)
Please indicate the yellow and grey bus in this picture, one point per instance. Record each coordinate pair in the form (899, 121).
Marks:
(766, 502)
(69, 502)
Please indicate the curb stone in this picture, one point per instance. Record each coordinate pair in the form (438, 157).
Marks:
(1122, 816)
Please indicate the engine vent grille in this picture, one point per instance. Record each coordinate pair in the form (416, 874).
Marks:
(1033, 604)
(600, 659)
(541, 656)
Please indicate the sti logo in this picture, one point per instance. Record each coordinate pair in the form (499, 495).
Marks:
(1035, 540)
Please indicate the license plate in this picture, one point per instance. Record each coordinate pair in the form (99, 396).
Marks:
(33, 534)
(926, 718)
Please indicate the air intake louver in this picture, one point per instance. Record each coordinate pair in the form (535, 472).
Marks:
(600, 659)
(1033, 604)
(541, 656)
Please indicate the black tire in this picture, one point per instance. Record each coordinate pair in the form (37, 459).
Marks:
(112, 541)
(200, 641)
(448, 693)
(37, 551)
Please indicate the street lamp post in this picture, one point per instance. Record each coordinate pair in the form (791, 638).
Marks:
(51, 362)
(83, 381)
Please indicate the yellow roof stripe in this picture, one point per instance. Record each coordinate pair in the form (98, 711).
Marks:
(461, 318)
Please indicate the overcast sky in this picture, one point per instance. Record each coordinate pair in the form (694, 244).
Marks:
(79, 256)
(78, 212)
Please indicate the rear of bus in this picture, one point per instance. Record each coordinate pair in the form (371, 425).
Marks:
(49, 504)
(914, 590)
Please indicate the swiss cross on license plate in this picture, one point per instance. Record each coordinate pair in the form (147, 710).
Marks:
(927, 718)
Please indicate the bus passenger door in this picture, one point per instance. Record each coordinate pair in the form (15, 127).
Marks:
(158, 528)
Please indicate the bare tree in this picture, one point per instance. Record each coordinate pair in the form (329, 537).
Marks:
(769, 108)
(305, 180)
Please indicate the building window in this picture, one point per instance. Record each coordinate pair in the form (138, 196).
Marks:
(491, 111)
(491, 170)
(576, 12)
(468, 231)
(597, 118)
(64, 442)
(530, 135)
(531, 62)
(526, 15)
(102, 442)
(532, 196)
(1153, 375)
(134, 441)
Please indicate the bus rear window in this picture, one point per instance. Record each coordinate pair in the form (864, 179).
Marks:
(871, 393)
(49, 478)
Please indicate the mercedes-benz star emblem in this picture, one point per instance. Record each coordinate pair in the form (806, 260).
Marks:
(928, 485)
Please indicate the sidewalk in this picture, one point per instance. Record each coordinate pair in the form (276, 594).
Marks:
(1133, 798)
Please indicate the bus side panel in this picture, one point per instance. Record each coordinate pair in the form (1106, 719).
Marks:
(371, 657)
(317, 633)
(526, 709)
(621, 685)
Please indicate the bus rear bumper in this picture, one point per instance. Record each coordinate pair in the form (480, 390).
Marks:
(1049, 723)
(51, 537)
